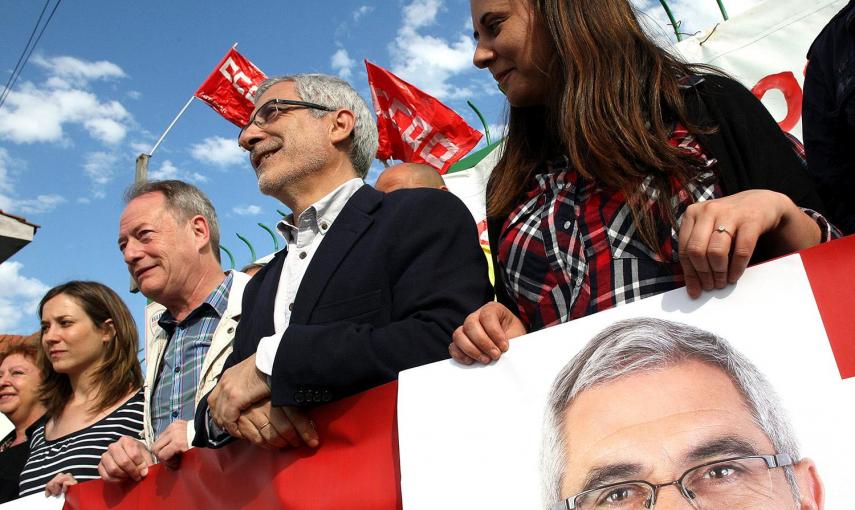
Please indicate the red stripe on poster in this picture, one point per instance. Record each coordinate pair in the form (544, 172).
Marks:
(356, 467)
(830, 268)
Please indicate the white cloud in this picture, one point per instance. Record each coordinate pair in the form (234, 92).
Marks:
(497, 131)
(134, 94)
(40, 204)
(107, 130)
(168, 170)
(219, 151)
(34, 115)
(248, 210)
(74, 72)
(342, 64)
(421, 13)
(361, 11)
(141, 147)
(19, 297)
(10, 204)
(430, 62)
(5, 180)
(100, 168)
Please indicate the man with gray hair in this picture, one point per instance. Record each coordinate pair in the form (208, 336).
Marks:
(653, 413)
(369, 284)
(169, 237)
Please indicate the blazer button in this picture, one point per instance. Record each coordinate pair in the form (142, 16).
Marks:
(326, 396)
(299, 397)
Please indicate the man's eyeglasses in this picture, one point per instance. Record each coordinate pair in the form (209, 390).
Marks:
(270, 111)
(741, 482)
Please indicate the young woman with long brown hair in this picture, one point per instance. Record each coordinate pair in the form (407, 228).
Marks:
(625, 172)
(92, 386)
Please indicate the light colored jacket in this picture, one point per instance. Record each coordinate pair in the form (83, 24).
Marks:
(212, 365)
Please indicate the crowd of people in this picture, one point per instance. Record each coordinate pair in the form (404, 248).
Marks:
(625, 173)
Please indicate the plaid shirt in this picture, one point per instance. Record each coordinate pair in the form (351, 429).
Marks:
(173, 397)
(571, 248)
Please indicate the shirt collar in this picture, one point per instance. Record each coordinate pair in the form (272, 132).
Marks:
(217, 300)
(319, 217)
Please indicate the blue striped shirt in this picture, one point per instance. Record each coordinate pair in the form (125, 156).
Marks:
(174, 393)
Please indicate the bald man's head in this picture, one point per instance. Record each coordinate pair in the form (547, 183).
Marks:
(409, 175)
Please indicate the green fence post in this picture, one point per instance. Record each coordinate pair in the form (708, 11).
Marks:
(722, 9)
(251, 249)
(674, 22)
(231, 257)
(272, 236)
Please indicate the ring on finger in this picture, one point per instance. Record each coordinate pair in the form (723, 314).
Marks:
(721, 229)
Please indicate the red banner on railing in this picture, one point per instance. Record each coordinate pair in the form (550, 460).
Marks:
(230, 90)
(356, 467)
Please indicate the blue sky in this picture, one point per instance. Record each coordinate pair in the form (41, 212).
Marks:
(108, 76)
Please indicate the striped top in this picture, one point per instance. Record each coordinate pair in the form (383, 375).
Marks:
(80, 452)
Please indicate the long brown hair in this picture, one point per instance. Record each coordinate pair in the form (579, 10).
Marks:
(119, 371)
(611, 110)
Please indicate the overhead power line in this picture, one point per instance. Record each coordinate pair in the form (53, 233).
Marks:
(28, 49)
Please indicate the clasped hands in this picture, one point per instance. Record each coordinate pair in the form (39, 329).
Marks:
(240, 404)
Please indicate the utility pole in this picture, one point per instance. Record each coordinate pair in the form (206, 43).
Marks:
(140, 175)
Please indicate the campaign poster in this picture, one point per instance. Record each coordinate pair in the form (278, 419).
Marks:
(485, 436)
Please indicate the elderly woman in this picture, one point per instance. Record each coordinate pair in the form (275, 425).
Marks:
(625, 172)
(20, 378)
(92, 389)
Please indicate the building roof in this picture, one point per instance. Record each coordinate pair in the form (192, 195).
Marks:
(15, 233)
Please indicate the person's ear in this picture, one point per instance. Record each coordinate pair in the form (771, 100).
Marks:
(109, 331)
(201, 231)
(342, 125)
(810, 486)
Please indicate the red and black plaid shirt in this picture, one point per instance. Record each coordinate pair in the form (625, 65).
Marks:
(571, 248)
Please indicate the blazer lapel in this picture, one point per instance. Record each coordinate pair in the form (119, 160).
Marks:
(353, 220)
(265, 296)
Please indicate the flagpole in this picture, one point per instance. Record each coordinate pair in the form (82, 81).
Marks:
(170, 126)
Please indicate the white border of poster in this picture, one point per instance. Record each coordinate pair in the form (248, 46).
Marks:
(470, 436)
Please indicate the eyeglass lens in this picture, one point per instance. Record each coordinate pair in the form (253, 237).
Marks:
(732, 485)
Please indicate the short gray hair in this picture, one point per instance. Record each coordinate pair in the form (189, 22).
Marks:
(336, 93)
(184, 201)
(647, 344)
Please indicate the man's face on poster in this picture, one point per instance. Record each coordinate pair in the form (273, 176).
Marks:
(657, 427)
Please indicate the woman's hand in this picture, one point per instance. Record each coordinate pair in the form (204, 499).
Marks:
(717, 237)
(484, 334)
(59, 484)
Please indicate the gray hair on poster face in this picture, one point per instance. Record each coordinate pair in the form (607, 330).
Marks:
(647, 344)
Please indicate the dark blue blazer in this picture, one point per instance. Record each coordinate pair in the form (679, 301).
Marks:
(394, 276)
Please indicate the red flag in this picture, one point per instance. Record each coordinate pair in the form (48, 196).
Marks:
(230, 89)
(414, 126)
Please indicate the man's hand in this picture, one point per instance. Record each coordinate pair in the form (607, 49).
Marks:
(126, 459)
(171, 444)
(239, 387)
(276, 427)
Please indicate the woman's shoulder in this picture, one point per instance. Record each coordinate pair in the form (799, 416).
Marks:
(720, 88)
(133, 404)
